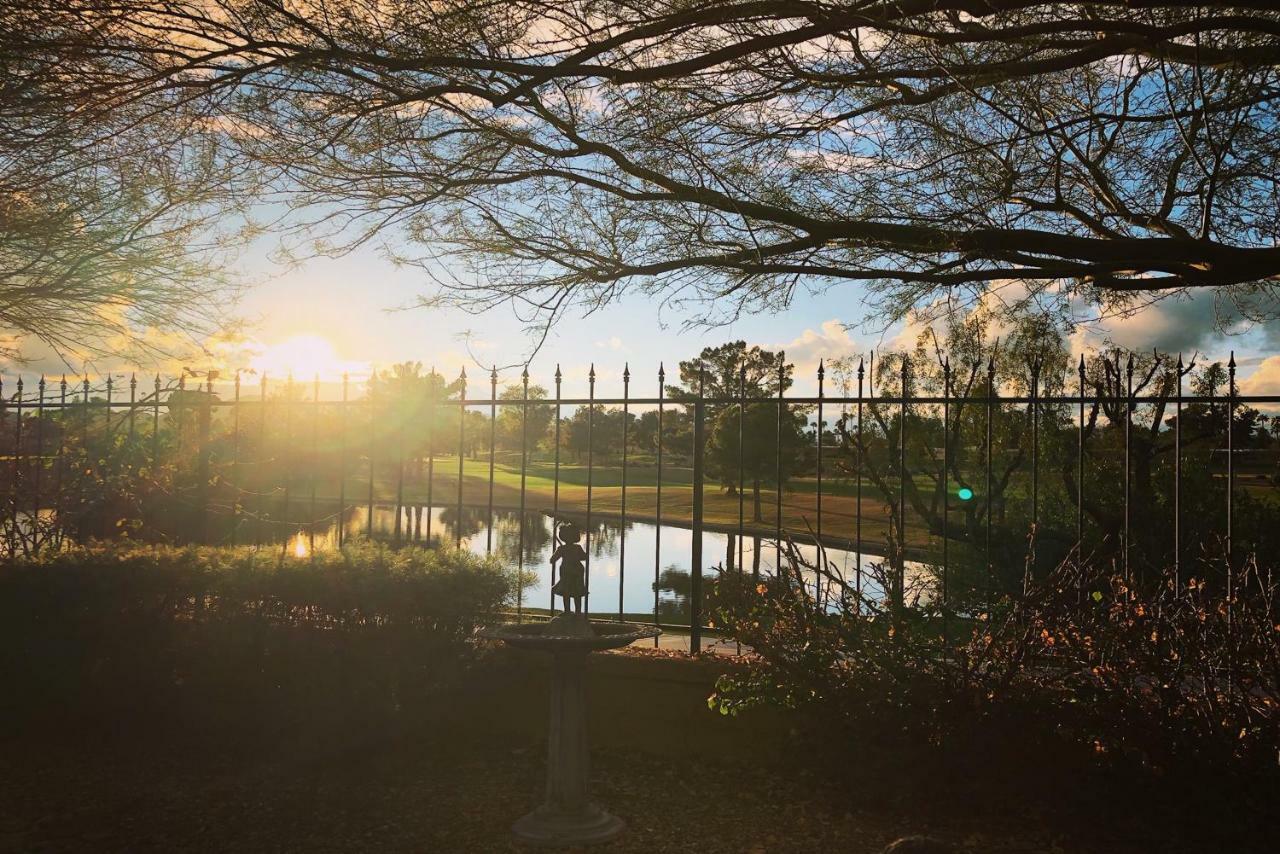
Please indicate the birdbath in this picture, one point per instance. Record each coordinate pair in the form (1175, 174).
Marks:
(567, 816)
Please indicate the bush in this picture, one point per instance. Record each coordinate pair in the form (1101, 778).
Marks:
(1176, 677)
(240, 637)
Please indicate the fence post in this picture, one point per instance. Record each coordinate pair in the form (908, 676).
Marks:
(591, 444)
(777, 468)
(1177, 480)
(524, 471)
(695, 586)
(206, 418)
(462, 449)
(857, 510)
(342, 462)
(657, 502)
(235, 457)
(622, 530)
(493, 437)
(555, 493)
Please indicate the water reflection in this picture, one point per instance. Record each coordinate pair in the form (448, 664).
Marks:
(650, 579)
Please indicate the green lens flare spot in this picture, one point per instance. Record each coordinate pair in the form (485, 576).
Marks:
(965, 493)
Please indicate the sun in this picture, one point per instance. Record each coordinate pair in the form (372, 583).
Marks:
(304, 356)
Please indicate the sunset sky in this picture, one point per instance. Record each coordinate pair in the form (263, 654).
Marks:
(335, 315)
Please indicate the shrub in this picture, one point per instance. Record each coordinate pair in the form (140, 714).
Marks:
(1176, 675)
(224, 636)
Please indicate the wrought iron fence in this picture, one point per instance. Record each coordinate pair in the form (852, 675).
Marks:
(972, 479)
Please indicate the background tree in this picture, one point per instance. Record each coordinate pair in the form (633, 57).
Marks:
(511, 425)
(760, 458)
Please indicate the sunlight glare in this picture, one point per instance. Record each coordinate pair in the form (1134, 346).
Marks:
(303, 357)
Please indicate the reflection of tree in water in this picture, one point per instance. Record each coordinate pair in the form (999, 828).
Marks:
(537, 537)
(471, 522)
(674, 586)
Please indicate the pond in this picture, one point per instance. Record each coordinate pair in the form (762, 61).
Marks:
(639, 569)
(636, 570)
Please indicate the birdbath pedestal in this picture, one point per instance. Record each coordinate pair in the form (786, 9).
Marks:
(567, 815)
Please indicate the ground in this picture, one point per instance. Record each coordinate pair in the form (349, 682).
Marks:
(95, 797)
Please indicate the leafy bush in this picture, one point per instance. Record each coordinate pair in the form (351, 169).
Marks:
(1176, 675)
(222, 636)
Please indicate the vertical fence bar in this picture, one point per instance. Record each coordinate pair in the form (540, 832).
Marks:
(62, 452)
(1080, 371)
(373, 443)
(990, 497)
(817, 580)
(203, 468)
(946, 486)
(742, 482)
(695, 581)
(287, 455)
(315, 462)
(462, 441)
(1177, 477)
(235, 460)
(591, 446)
(84, 424)
(857, 518)
(39, 466)
(900, 571)
(433, 414)
(1231, 484)
(1128, 468)
(524, 468)
(264, 459)
(1034, 405)
(133, 402)
(17, 465)
(178, 415)
(1035, 449)
(1231, 462)
(777, 468)
(155, 426)
(342, 461)
(657, 506)
(397, 407)
(555, 491)
(622, 534)
(493, 437)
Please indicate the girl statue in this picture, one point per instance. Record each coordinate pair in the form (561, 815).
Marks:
(573, 572)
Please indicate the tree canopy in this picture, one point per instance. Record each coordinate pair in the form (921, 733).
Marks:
(734, 153)
(111, 221)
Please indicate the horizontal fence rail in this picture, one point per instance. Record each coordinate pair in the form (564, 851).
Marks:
(948, 483)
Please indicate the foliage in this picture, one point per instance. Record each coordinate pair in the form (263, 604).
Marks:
(110, 237)
(147, 626)
(725, 152)
(1183, 674)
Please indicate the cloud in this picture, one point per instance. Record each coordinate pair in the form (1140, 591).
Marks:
(613, 342)
(829, 341)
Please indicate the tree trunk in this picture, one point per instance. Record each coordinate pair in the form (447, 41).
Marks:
(757, 516)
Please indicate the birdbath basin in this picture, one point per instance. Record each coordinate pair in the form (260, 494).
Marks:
(567, 816)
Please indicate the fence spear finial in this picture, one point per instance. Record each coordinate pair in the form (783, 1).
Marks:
(662, 374)
(626, 372)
